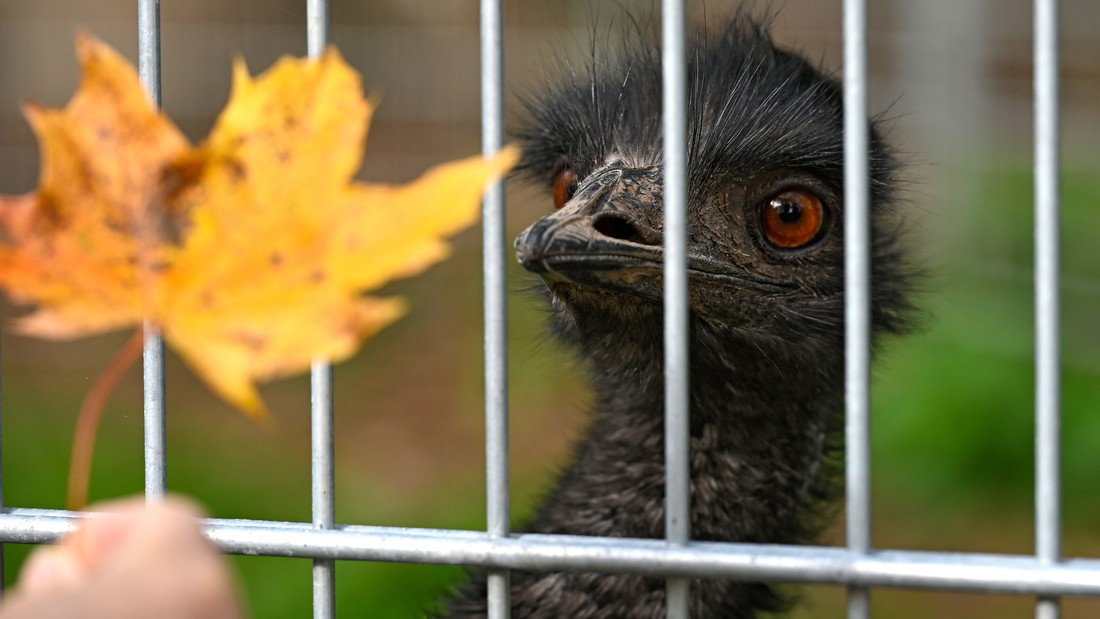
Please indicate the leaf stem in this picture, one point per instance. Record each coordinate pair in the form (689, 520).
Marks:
(91, 413)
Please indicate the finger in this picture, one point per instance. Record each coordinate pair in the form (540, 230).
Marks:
(51, 568)
(193, 580)
(115, 524)
(69, 562)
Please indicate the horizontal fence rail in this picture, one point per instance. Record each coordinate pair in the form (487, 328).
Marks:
(1013, 574)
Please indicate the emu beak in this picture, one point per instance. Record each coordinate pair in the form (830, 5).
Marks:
(604, 230)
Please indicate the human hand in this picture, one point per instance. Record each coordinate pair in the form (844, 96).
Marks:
(143, 561)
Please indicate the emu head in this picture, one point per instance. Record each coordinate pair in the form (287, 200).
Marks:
(765, 211)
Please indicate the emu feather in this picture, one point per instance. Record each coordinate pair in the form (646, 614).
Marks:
(766, 299)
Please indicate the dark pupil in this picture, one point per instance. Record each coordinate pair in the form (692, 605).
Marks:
(789, 212)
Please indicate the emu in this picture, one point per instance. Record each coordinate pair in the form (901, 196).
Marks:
(765, 165)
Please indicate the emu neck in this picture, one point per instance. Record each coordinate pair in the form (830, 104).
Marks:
(759, 466)
(760, 441)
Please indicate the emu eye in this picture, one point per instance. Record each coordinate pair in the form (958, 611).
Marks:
(565, 185)
(792, 218)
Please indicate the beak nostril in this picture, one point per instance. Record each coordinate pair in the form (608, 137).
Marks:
(617, 227)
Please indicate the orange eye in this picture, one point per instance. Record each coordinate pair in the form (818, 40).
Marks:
(792, 218)
(565, 185)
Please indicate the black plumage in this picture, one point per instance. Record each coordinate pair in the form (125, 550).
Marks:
(766, 280)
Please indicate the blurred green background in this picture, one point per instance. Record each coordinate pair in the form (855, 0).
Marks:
(953, 446)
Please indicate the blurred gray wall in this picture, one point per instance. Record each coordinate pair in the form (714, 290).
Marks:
(954, 76)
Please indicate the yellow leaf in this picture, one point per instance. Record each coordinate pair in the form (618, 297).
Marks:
(83, 246)
(230, 354)
(283, 243)
(396, 231)
(252, 251)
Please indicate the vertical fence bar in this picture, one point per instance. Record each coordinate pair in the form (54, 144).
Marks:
(498, 501)
(677, 432)
(153, 353)
(149, 47)
(857, 284)
(323, 468)
(1048, 491)
(323, 483)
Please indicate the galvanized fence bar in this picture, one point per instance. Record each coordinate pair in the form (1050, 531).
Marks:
(677, 431)
(857, 285)
(149, 47)
(317, 23)
(323, 466)
(1048, 491)
(498, 501)
(156, 481)
(1011, 574)
(1046, 575)
(323, 485)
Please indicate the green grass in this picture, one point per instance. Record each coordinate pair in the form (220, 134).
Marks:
(955, 403)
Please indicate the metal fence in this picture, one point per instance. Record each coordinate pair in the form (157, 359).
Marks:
(859, 566)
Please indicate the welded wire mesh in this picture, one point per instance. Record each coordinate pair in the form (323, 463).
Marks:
(858, 565)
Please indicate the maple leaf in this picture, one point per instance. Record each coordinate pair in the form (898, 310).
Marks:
(250, 252)
(83, 245)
